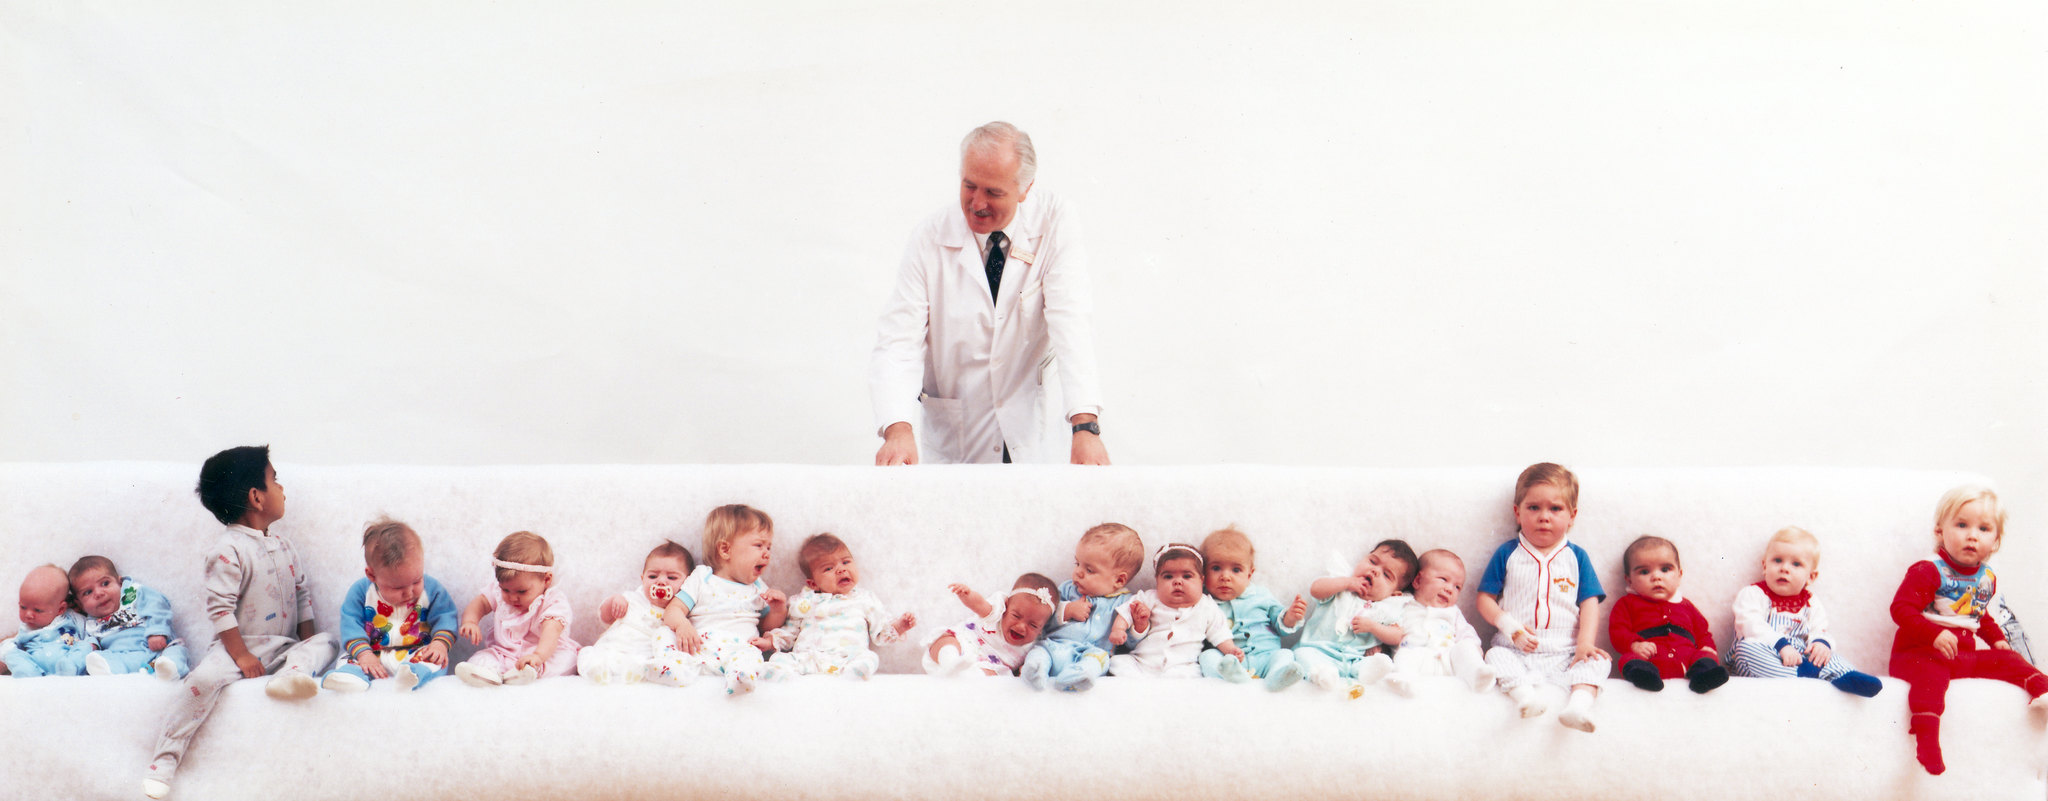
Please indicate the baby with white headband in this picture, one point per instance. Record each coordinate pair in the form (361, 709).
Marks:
(995, 642)
(529, 634)
(1165, 626)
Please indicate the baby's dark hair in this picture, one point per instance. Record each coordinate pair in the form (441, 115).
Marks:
(226, 478)
(1647, 544)
(668, 549)
(1407, 557)
(815, 547)
(84, 563)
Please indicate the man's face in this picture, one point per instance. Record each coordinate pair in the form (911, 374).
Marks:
(989, 193)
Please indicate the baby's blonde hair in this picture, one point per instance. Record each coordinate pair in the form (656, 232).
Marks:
(388, 542)
(1794, 535)
(522, 547)
(1548, 473)
(727, 522)
(1228, 539)
(1126, 550)
(1954, 500)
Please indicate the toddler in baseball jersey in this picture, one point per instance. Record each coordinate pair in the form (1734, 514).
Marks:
(257, 601)
(52, 638)
(1165, 626)
(724, 603)
(1076, 651)
(1436, 639)
(1353, 617)
(1657, 632)
(1941, 612)
(1257, 619)
(995, 642)
(1781, 629)
(638, 643)
(128, 624)
(396, 621)
(529, 633)
(833, 619)
(1542, 596)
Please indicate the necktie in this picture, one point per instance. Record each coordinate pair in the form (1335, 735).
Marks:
(995, 263)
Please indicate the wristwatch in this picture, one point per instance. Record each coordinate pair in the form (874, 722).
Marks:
(1091, 427)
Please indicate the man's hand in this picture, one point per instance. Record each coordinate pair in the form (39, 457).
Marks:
(1088, 447)
(899, 446)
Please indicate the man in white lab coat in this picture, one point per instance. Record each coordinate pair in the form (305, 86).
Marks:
(992, 301)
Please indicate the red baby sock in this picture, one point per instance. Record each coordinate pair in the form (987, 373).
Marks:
(1926, 729)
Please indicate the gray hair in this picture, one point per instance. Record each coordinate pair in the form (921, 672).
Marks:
(1000, 132)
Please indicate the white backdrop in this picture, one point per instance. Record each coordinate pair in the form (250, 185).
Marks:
(1370, 233)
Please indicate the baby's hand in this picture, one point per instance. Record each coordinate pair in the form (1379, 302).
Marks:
(1232, 649)
(905, 623)
(774, 597)
(1141, 616)
(960, 591)
(612, 609)
(372, 666)
(1644, 649)
(1361, 625)
(1945, 642)
(436, 654)
(2002, 645)
(471, 632)
(1585, 652)
(1525, 641)
(1295, 612)
(1077, 610)
(1820, 653)
(158, 642)
(1117, 635)
(1789, 655)
(530, 661)
(1356, 587)
(686, 637)
(762, 644)
(252, 668)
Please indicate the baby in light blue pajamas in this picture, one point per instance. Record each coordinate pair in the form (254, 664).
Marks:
(128, 623)
(52, 639)
(1353, 616)
(1257, 619)
(1076, 651)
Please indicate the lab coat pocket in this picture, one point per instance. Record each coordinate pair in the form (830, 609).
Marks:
(944, 419)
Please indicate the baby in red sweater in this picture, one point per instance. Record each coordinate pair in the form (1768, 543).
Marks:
(1657, 634)
(1940, 609)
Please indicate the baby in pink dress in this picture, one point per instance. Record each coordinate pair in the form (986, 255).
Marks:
(529, 628)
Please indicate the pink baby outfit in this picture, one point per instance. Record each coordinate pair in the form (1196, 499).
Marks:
(514, 634)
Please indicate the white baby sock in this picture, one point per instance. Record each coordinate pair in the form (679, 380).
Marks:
(525, 675)
(1528, 701)
(344, 683)
(947, 662)
(1482, 678)
(291, 684)
(1578, 711)
(96, 665)
(155, 789)
(165, 668)
(484, 676)
(1401, 684)
(1375, 667)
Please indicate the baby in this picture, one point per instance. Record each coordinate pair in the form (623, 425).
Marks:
(1551, 579)
(831, 621)
(128, 624)
(1940, 609)
(638, 646)
(1353, 616)
(1436, 639)
(1658, 634)
(1257, 620)
(52, 639)
(994, 644)
(1781, 630)
(1075, 652)
(529, 633)
(722, 608)
(396, 620)
(1171, 620)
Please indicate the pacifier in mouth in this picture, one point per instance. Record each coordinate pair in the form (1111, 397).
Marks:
(663, 593)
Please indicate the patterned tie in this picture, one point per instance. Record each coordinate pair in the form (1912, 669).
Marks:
(995, 263)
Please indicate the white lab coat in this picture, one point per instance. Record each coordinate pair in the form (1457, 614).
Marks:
(979, 367)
